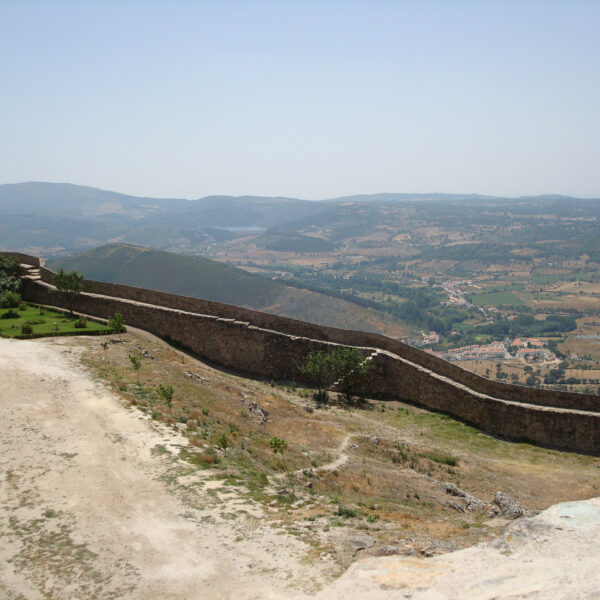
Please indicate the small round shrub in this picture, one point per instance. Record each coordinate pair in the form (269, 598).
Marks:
(26, 329)
(10, 300)
(81, 323)
(10, 314)
(116, 323)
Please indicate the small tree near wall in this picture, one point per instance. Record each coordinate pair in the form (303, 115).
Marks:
(351, 368)
(320, 368)
(68, 286)
(346, 365)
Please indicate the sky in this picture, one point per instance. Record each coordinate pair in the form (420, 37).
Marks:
(308, 99)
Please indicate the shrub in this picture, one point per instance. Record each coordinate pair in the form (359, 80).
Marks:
(135, 361)
(10, 314)
(81, 323)
(11, 300)
(205, 458)
(345, 511)
(116, 323)
(320, 396)
(26, 329)
(165, 393)
(443, 459)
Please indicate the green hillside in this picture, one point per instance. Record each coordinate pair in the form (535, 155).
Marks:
(202, 278)
(175, 273)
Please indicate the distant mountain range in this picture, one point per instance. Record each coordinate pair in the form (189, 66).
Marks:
(55, 219)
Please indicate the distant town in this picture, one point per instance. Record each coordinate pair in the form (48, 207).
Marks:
(524, 349)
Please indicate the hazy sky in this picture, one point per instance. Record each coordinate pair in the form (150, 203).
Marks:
(309, 99)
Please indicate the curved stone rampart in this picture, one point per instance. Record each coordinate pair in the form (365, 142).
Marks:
(516, 393)
(271, 346)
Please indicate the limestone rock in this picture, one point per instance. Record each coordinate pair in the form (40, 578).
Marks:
(509, 507)
(360, 542)
(553, 556)
(470, 503)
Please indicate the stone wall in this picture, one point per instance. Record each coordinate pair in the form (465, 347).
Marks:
(561, 428)
(23, 258)
(515, 393)
(271, 346)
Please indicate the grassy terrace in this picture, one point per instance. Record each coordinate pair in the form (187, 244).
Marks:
(45, 322)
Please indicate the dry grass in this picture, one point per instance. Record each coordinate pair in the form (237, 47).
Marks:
(395, 455)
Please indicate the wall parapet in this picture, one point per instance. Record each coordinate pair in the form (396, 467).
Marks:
(28, 259)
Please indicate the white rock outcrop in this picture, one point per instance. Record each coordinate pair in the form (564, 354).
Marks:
(553, 556)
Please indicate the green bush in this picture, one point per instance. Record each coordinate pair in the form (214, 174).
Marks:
(26, 329)
(11, 300)
(10, 314)
(345, 511)
(116, 323)
(136, 363)
(81, 323)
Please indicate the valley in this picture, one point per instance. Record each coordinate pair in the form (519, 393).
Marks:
(444, 272)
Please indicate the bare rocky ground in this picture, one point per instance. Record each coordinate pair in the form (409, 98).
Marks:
(553, 556)
(97, 500)
(85, 511)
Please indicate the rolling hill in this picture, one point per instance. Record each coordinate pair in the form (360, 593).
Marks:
(203, 278)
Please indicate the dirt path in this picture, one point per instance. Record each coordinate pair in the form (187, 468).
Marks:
(341, 459)
(94, 502)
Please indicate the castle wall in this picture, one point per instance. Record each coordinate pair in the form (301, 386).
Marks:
(516, 393)
(560, 428)
(23, 258)
(245, 345)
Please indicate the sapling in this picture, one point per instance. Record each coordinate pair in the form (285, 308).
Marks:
(165, 393)
(279, 446)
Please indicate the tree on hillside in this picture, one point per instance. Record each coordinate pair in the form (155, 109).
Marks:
(351, 368)
(165, 393)
(279, 446)
(346, 365)
(320, 369)
(68, 286)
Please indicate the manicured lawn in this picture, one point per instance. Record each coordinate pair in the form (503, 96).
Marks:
(496, 299)
(44, 322)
